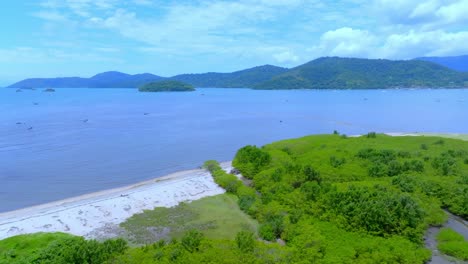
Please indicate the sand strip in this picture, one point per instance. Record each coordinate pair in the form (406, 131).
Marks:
(87, 214)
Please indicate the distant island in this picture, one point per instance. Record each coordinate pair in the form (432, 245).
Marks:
(167, 86)
(322, 73)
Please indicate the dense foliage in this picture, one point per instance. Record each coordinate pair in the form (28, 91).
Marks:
(166, 86)
(239, 79)
(378, 189)
(347, 73)
(58, 249)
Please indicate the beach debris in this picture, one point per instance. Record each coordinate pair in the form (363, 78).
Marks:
(19, 123)
(19, 90)
(281, 121)
(30, 128)
(234, 171)
(124, 195)
(35, 103)
(85, 120)
(49, 90)
(145, 113)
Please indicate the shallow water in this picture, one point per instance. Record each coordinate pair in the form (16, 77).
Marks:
(76, 141)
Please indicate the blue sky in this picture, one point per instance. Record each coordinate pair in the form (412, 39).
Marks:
(48, 38)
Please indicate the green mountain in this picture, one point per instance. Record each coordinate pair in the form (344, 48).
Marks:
(244, 78)
(239, 79)
(351, 73)
(166, 86)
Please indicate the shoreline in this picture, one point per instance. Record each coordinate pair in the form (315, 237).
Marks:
(89, 214)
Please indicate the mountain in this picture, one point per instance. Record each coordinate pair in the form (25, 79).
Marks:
(458, 63)
(322, 73)
(110, 79)
(352, 73)
(245, 78)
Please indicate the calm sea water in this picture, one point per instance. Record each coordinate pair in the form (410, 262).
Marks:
(76, 141)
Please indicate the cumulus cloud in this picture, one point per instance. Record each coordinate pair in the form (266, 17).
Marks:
(274, 31)
(286, 57)
(346, 42)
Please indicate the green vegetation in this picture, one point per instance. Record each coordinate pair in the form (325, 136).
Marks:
(347, 73)
(217, 217)
(372, 190)
(57, 248)
(166, 86)
(195, 248)
(452, 244)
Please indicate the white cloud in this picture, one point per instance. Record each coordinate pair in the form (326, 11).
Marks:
(51, 16)
(428, 13)
(346, 42)
(286, 57)
(431, 43)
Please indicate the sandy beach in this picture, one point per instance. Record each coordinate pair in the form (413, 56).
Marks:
(92, 215)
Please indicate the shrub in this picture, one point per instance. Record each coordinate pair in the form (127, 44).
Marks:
(192, 240)
(311, 174)
(211, 165)
(378, 170)
(337, 162)
(452, 243)
(371, 135)
(424, 146)
(250, 160)
(406, 183)
(245, 241)
(266, 232)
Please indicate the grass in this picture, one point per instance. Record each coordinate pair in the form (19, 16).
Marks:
(452, 244)
(217, 217)
(19, 249)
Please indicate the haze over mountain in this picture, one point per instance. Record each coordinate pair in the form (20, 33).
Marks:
(459, 63)
(110, 79)
(322, 73)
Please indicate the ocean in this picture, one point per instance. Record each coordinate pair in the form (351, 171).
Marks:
(55, 145)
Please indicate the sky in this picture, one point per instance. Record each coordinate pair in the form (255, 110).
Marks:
(56, 38)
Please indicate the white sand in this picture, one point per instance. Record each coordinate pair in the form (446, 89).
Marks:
(93, 214)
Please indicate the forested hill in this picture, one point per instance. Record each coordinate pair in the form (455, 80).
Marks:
(458, 63)
(110, 79)
(245, 78)
(350, 73)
